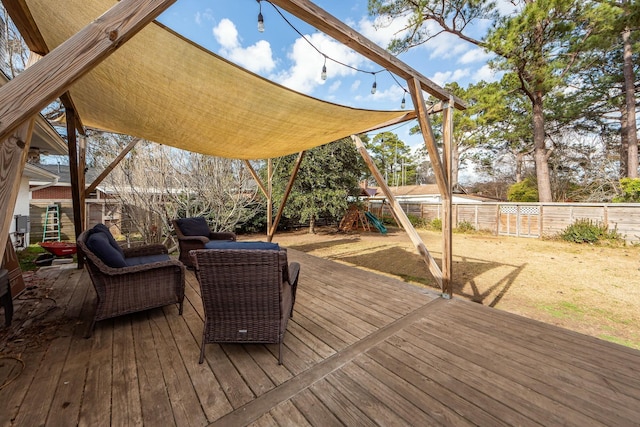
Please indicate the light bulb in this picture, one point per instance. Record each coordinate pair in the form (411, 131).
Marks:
(374, 87)
(260, 23)
(403, 103)
(323, 75)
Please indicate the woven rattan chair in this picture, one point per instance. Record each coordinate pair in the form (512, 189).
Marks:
(248, 295)
(124, 290)
(188, 242)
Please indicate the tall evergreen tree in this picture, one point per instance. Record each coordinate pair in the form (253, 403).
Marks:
(539, 45)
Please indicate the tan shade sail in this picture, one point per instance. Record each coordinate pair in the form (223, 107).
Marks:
(164, 88)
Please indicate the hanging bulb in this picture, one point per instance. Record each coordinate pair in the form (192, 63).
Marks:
(374, 87)
(323, 75)
(403, 103)
(260, 18)
(260, 23)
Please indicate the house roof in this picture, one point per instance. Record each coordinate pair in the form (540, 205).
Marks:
(162, 87)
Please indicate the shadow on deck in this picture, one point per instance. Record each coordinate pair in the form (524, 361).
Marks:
(361, 349)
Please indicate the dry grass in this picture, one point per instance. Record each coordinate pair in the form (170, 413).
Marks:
(590, 289)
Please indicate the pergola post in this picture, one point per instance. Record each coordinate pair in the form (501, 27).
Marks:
(447, 219)
(269, 194)
(399, 212)
(287, 191)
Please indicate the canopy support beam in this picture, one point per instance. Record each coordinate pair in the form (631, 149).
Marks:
(256, 178)
(287, 191)
(74, 166)
(111, 166)
(399, 213)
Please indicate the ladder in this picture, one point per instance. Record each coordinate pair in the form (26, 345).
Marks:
(51, 224)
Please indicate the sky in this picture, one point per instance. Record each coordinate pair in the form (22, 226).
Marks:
(229, 29)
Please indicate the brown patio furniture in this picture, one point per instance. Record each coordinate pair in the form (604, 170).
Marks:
(194, 233)
(128, 280)
(247, 294)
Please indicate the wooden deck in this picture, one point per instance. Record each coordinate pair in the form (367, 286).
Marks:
(361, 349)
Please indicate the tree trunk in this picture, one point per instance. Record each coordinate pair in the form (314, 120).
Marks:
(629, 80)
(624, 142)
(519, 163)
(312, 225)
(541, 154)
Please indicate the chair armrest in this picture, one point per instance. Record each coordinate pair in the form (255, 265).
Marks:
(145, 250)
(201, 239)
(222, 235)
(171, 264)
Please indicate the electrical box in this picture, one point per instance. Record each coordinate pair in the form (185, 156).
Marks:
(22, 224)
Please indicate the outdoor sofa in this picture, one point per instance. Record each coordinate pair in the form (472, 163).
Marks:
(128, 280)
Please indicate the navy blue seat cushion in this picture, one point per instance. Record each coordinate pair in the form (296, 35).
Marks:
(217, 244)
(146, 259)
(196, 226)
(98, 243)
(101, 228)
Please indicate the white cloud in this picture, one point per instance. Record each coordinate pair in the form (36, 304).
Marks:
(335, 86)
(443, 77)
(382, 31)
(474, 55)
(446, 46)
(485, 73)
(200, 17)
(256, 58)
(304, 74)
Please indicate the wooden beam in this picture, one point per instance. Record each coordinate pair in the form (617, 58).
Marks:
(111, 166)
(427, 134)
(287, 191)
(409, 116)
(269, 194)
(82, 178)
(74, 174)
(432, 265)
(13, 156)
(332, 26)
(256, 178)
(24, 22)
(38, 85)
(447, 206)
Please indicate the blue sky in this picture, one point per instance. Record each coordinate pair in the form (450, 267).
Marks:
(229, 28)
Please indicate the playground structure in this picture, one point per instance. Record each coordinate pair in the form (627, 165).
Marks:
(356, 219)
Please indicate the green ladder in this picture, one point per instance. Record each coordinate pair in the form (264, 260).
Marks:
(51, 224)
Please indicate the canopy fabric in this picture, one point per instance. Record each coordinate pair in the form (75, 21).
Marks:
(161, 87)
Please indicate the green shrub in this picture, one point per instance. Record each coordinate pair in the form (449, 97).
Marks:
(523, 191)
(630, 191)
(436, 224)
(417, 221)
(465, 227)
(27, 256)
(589, 231)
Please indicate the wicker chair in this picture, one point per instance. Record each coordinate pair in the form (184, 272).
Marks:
(188, 241)
(248, 295)
(124, 290)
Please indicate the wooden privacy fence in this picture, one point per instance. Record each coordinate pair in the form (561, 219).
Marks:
(529, 219)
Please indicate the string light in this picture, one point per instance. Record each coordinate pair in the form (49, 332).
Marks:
(404, 102)
(260, 18)
(323, 74)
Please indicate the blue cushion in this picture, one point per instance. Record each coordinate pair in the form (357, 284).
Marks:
(101, 228)
(99, 244)
(223, 244)
(194, 226)
(146, 259)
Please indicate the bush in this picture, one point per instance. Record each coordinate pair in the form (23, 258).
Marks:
(523, 191)
(436, 224)
(588, 231)
(465, 227)
(630, 188)
(417, 221)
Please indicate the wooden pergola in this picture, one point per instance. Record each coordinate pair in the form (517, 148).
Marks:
(51, 73)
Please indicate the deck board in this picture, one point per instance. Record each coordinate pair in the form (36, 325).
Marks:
(361, 349)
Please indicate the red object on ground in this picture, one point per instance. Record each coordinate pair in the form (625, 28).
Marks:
(59, 248)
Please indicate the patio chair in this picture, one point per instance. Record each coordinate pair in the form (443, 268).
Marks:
(247, 294)
(128, 280)
(194, 233)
